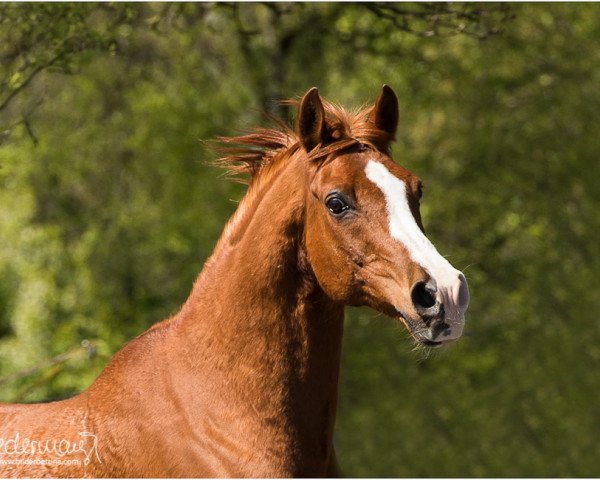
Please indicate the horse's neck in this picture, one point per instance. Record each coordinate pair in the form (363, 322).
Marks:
(259, 332)
(242, 382)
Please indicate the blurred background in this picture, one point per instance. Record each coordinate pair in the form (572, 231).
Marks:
(108, 206)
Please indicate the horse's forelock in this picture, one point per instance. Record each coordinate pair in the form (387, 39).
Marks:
(250, 153)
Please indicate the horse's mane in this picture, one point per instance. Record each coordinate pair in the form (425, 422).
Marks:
(261, 147)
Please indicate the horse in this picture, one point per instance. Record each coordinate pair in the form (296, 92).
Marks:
(243, 380)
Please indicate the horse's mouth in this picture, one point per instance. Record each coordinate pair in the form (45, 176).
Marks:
(426, 342)
(417, 334)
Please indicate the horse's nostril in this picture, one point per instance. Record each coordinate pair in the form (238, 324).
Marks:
(423, 295)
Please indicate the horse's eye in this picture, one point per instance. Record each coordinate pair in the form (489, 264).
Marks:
(336, 205)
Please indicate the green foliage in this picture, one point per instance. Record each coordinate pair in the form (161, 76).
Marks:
(107, 215)
(42, 37)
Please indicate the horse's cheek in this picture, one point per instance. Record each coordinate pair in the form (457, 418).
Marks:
(329, 264)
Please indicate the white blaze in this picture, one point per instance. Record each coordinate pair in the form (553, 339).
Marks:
(452, 289)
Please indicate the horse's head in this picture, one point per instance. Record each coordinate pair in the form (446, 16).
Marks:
(364, 236)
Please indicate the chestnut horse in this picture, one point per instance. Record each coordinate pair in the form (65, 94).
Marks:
(243, 381)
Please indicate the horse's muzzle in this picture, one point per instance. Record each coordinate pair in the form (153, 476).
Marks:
(441, 310)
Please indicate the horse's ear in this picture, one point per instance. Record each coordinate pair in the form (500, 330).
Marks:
(311, 120)
(385, 112)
